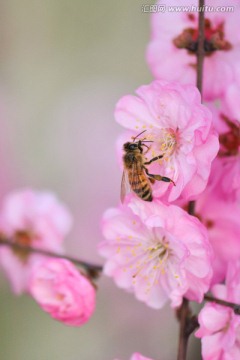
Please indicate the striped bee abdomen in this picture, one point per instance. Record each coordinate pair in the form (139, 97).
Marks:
(140, 185)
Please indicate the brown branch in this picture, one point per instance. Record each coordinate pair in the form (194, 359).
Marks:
(189, 323)
(200, 50)
(235, 307)
(92, 270)
(183, 338)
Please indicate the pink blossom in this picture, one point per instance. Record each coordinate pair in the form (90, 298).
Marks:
(221, 219)
(181, 130)
(231, 100)
(219, 326)
(60, 289)
(171, 53)
(225, 173)
(225, 177)
(159, 252)
(34, 219)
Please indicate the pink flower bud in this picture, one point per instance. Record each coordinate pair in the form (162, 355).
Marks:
(63, 292)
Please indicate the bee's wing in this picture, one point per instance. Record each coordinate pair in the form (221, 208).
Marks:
(136, 178)
(125, 186)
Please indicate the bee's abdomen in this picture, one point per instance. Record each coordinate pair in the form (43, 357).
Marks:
(141, 186)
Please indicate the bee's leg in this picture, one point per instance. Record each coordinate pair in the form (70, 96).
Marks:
(148, 148)
(158, 177)
(153, 159)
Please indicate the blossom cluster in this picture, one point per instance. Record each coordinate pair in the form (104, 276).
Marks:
(156, 249)
(181, 146)
(38, 220)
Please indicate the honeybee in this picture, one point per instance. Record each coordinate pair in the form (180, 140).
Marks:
(136, 176)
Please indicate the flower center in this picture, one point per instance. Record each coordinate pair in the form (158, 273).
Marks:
(165, 143)
(155, 256)
(229, 141)
(214, 38)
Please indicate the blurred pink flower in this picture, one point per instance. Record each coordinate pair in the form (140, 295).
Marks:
(138, 356)
(221, 219)
(230, 101)
(225, 172)
(171, 53)
(181, 128)
(159, 252)
(60, 289)
(225, 178)
(34, 219)
(219, 326)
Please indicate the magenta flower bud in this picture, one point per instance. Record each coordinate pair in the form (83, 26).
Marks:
(63, 292)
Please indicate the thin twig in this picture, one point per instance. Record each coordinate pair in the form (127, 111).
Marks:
(200, 49)
(189, 323)
(91, 269)
(235, 307)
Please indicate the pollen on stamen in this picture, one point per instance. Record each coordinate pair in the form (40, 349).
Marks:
(167, 140)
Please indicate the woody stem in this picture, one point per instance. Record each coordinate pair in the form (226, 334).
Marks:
(92, 270)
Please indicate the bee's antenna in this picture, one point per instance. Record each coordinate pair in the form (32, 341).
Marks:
(135, 137)
(146, 141)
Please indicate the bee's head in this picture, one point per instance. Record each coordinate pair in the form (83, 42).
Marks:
(131, 146)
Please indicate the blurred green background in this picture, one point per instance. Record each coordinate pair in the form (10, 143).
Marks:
(63, 66)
